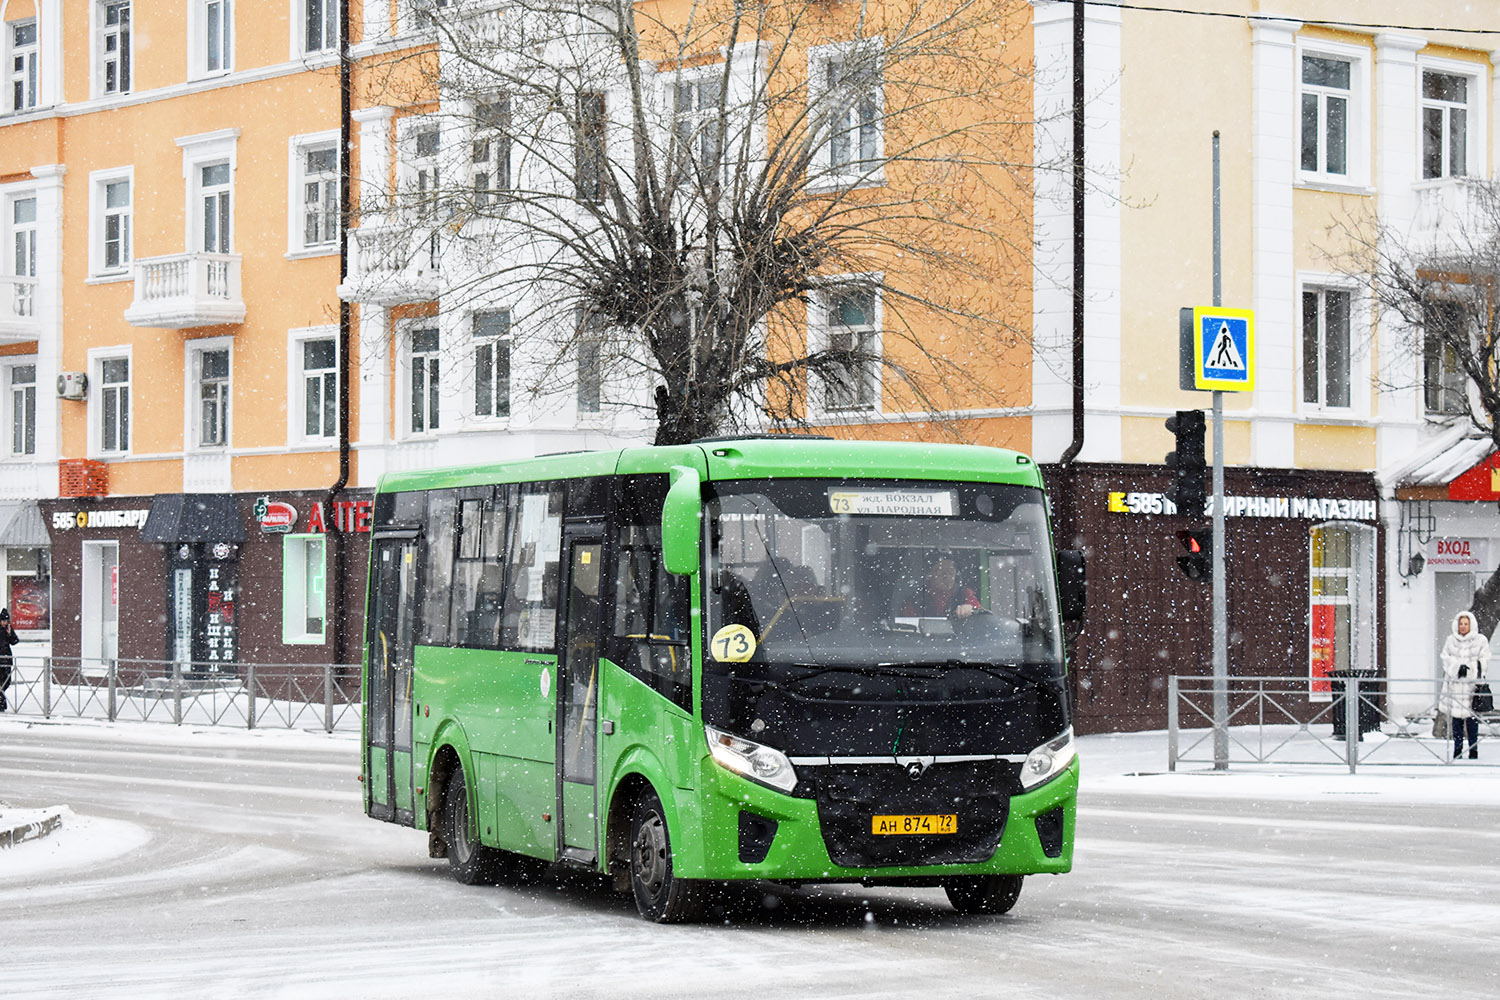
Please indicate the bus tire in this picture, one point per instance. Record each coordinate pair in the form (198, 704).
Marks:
(660, 895)
(471, 862)
(986, 894)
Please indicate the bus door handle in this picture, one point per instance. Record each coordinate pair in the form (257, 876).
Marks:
(607, 727)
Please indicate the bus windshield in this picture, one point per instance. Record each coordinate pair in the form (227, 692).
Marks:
(858, 573)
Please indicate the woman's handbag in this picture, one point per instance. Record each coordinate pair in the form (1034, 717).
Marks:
(1484, 700)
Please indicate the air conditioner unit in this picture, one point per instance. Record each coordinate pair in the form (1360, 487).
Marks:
(72, 385)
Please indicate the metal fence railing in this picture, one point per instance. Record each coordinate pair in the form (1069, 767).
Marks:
(1272, 720)
(245, 695)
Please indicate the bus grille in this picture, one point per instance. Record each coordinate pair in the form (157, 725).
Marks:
(849, 795)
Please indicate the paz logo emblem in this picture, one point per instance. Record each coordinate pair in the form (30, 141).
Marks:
(914, 770)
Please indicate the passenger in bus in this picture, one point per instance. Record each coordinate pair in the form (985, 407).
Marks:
(939, 595)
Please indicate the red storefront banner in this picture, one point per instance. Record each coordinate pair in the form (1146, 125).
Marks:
(1482, 482)
(1324, 630)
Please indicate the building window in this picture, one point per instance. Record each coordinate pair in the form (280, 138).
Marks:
(492, 363)
(319, 194)
(1327, 111)
(28, 590)
(1444, 384)
(24, 56)
(589, 165)
(114, 225)
(424, 12)
(213, 50)
(699, 129)
(1445, 125)
(320, 388)
(304, 592)
(1341, 603)
(212, 379)
(114, 405)
(590, 351)
(425, 379)
(846, 89)
(114, 47)
(213, 194)
(1325, 347)
(320, 21)
(21, 403)
(23, 256)
(851, 326)
(490, 152)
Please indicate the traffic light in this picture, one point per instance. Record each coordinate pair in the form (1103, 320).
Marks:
(1198, 564)
(1191, 487)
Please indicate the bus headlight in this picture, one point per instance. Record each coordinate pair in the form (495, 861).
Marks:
(1048, 760)
(760, 763)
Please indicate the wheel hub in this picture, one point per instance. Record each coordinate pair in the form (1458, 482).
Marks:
(650, 854)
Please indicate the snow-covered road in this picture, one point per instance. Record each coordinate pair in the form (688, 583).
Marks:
(232, 864)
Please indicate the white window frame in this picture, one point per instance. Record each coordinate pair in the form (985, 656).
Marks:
(8, 405)
(1357, 116)
(1423, 380)
(694, 125)
(303, 17)
(491, 164)
(99, 213)
(296, 601)
(201, 38)
(1476, 117)
(1359, 332)
(432, 378)
(298, 146)
(125, 55)
(821, 333)
(192, 394)
(296, 386)
(477, 341)
(29, 75)
(18, 235)
(205, 150)
(416, 14)
(97, 357)
(588, 335)
(854, 171)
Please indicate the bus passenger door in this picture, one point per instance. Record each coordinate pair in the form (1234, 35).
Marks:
(388, 763)
(579, 689)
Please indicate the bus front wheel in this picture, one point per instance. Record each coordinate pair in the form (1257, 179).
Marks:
(470, 861)
(659, 894)
(988, 894)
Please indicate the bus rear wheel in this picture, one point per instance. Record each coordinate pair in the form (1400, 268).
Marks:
(471, 862)
(987, 894)
(660, 895)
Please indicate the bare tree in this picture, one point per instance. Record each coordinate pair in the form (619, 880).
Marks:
(671, 196)
(1436, 287)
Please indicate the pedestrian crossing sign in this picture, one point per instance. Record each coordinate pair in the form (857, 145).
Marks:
(1224, 349)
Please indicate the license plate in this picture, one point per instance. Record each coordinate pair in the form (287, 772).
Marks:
(947, 823)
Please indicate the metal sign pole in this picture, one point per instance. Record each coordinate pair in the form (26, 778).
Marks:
(1221, 616)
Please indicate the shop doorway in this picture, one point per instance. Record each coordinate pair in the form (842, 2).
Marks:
(1451, 593)
(1341, 603)
(100, 606)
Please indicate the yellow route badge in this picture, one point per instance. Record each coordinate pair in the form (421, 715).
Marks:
(733, 644)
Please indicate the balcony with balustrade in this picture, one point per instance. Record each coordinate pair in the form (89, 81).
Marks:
(18, 319)
(187, 290)
(392, 264)
(1454, 215)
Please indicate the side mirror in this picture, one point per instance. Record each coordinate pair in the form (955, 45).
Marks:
(681, 517)
(1072, 579)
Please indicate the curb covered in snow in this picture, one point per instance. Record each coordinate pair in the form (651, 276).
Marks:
(21, 825)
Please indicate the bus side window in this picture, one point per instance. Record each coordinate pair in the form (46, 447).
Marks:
(437, 583)
(652, 616)
(529, 619)
(478, 573)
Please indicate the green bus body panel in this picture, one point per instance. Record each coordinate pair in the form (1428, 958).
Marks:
(401, 762)
(749, 459)
(377, 778)
(505, 740)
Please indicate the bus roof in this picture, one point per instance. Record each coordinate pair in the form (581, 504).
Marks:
(790, 456)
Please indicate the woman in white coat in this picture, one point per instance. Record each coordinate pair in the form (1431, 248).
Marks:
(1464, 655)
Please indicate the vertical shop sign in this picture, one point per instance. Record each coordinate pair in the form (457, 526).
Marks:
(219, 621)
(182, 618)
(1324, 635)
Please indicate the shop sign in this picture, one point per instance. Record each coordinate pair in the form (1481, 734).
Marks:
(275, 516)
(220, 625)
(1310, 508)
(1482, 482)
(64, 520)
(29, 603)
(348, 515)
(1458, 553)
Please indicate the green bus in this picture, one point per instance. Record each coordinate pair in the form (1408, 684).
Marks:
(782, 658)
